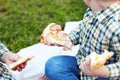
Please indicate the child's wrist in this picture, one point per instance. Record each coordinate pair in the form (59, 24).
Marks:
(3, 55)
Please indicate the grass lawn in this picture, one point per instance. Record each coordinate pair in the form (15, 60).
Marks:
(22, 21)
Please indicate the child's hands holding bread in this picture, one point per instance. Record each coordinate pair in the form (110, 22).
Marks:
(94, 64)
(14, 61)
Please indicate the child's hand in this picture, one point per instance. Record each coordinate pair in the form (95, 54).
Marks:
(10, 58)
(68, 44)
(86, 69)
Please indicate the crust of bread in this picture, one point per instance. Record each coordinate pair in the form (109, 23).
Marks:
(98, 60)
(19, 62)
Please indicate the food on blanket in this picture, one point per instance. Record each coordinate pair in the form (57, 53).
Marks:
(53, 34)
(98, 60)
(19, 62)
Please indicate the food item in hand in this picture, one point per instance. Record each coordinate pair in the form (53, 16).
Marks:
(19, 62)
(98, 60)
(53, 34)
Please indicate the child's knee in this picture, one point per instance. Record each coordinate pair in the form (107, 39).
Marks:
(53, 62)
(52, 66)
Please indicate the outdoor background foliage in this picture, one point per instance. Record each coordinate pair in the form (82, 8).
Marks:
(22, 21)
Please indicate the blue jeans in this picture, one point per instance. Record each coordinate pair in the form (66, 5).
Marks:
(63, 68)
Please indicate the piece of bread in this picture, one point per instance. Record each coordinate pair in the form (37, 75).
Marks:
(19, 62)
(98, 60)
(53, 34)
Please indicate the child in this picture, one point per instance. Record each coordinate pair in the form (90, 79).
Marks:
(99, 30)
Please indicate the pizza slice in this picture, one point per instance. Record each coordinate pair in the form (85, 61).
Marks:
(53, 34)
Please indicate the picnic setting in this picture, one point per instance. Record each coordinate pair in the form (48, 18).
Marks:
(59, 40)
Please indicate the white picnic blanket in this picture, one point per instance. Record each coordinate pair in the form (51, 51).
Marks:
(35, 67)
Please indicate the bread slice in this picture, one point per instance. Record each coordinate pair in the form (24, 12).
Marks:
(19, 62)
(98, 60)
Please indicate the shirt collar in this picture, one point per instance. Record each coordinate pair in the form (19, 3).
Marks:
(103, 15)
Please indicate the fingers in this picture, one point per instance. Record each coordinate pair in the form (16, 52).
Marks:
(44, 77)
(17, 69)
(65, 48)
(20, 67)
(88, 61)
(85, 67)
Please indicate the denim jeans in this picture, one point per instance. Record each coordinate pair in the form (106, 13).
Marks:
(63, 68)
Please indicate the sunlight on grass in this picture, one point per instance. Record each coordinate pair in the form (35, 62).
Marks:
(22, 21)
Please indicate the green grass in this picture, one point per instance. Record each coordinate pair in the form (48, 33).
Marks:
(22, 21)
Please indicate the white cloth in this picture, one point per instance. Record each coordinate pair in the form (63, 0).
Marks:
(35, 67)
